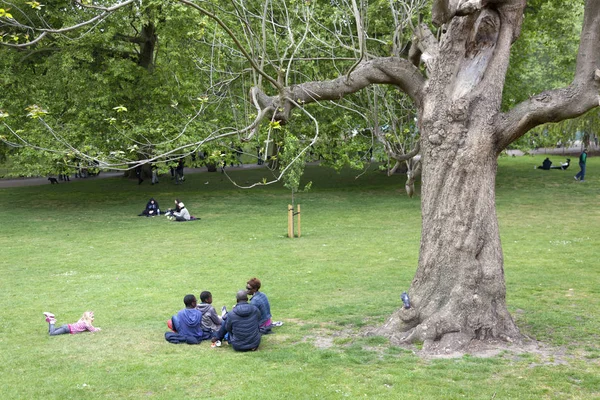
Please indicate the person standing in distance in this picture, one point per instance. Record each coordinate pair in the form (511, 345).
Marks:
(582, 161)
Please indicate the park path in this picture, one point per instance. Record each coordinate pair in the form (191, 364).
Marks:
(10, 183)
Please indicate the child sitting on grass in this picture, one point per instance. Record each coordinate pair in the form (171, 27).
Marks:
(84, 324)
(187, 324)
(211, 322)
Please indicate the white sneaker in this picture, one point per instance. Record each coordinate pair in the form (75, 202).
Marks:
(49, 314)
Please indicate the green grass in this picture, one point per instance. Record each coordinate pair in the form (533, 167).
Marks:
(71, 247)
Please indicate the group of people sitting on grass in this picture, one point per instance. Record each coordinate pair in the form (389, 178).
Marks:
(242, 327)
(179, 213)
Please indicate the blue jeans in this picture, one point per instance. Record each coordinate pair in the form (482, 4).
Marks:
(58, 331)
(222, 333)
(581, 174)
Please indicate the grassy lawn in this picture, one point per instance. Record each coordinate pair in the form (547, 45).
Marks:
(73, 247)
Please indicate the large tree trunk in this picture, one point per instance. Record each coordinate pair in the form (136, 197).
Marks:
(458, 292)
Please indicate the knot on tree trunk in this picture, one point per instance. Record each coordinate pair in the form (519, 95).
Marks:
(408, 315)
(281, 105)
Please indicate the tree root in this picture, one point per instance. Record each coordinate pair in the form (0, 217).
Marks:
(441, 333)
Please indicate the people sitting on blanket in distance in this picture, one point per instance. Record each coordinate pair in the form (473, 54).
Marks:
(151, 209)
(180, 213)
(211, 322)
(241, 325)
(187, 324)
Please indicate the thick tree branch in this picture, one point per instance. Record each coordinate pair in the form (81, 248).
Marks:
(565, 103)
(424, 47)
(391, 70)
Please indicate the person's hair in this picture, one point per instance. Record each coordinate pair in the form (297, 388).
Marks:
(241, 295)
(205, 296)
(88, 317)
(189, 299)
(254, 283)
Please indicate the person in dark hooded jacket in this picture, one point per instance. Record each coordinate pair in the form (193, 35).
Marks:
(188, 324)
(151, 209)
(242, 325)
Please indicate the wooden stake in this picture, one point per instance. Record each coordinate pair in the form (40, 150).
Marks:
(299, 233)
(290, 221)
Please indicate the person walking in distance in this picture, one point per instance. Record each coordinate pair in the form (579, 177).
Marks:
(582, 161)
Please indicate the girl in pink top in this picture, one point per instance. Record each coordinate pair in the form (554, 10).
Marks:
(84, 324)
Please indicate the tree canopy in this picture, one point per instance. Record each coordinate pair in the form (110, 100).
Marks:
(150, 80)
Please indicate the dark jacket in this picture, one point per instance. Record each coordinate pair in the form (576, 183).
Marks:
(242, 326)
(175, 338)
(546, 164)
(152, 206)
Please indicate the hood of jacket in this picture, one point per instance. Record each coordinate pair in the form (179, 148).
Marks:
(243, 309)
(204, 307)
(191, 316)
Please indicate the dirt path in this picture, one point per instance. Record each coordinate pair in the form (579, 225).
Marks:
(8, 183)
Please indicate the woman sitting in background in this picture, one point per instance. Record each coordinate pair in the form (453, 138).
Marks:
(180, 213)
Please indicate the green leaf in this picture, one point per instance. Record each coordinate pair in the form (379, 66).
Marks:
(35, 111)
(120, 109)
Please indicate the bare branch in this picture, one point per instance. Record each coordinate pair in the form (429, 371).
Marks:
(409, 155)
(44, 31)
(236, 41)
(294, 160)
(360, 32)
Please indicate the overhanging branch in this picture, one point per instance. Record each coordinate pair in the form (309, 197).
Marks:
(391, 70)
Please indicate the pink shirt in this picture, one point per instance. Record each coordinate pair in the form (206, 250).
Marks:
(81, 326)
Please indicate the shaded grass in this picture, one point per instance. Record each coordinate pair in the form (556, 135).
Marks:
(71, 247)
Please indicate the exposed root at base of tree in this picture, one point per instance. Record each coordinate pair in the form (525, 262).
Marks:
(491, 348)
(324, 338)
(543, 354)
(446, 332)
